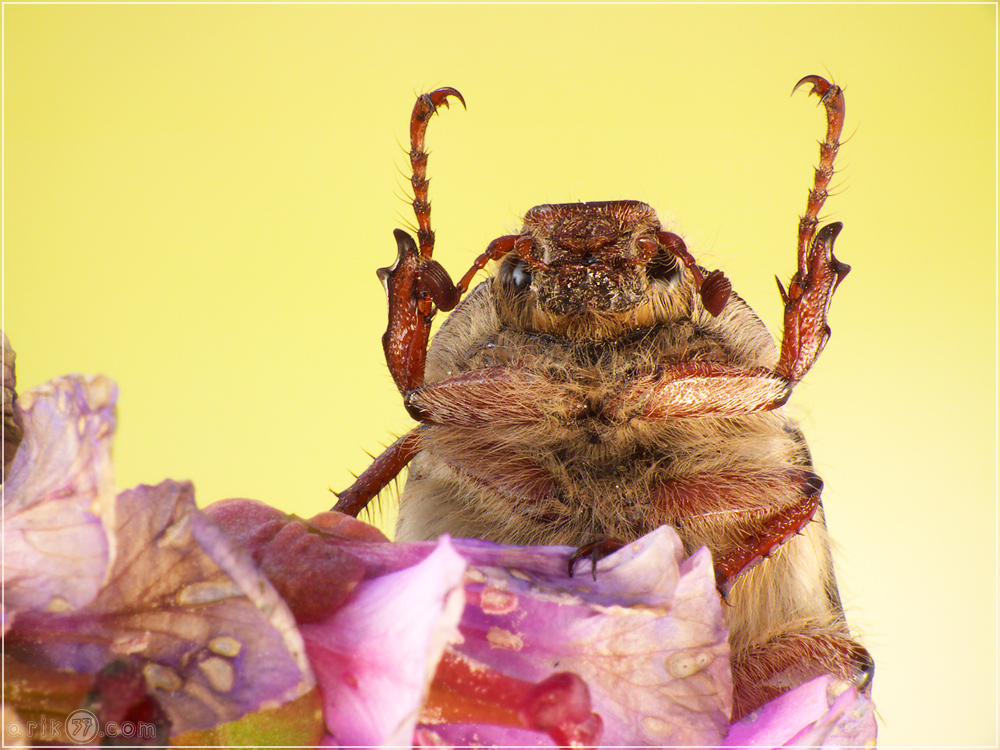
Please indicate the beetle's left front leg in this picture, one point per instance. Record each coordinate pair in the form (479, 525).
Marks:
(766, 508)
(807, 300)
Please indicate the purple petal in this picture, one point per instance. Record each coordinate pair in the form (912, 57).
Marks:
(375, 657)
(59, 496)
(211, 636)
(821, 713)
(647, 637)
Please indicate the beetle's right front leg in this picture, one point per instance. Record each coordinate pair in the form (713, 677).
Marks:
(417, 287)
(416, 284)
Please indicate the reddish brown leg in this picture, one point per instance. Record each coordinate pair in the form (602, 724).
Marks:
(490, 397)
(697, 389)
(765, 671)
(423, 110)
(752, 499)
(382, 471)
(819, 272)
(417, 285)
(520, 479)
(410, 314)
(774, 530)
(832, 98)
(807, 303)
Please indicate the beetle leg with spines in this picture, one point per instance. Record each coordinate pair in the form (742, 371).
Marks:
(417, 285)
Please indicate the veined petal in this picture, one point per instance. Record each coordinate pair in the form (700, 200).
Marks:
(210, 635)
(59, 496)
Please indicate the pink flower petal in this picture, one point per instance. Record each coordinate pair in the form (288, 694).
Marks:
(821, 713)
(646, 637)
(375, 657)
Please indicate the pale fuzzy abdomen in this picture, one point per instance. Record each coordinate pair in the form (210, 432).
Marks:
(563, 479)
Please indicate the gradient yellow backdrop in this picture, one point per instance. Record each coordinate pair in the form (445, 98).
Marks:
(196, 199)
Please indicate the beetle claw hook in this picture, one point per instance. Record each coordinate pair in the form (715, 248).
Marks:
(820, 86)
(439, 97)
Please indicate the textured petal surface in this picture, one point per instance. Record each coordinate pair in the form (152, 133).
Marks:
(646, 637)
(59, 496)
(212, 638)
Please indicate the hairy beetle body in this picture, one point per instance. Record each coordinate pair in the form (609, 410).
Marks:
(601, 384)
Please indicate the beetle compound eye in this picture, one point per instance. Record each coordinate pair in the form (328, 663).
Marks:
(663, 267)
(515, 274)
(521, 276)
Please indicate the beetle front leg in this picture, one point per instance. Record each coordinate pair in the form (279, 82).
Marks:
(807, 301)
(493, 397)
(417, 285)
(699, 389)
(423, 110)
(831, 97)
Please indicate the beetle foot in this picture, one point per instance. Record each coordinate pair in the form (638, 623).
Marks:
(594, 551)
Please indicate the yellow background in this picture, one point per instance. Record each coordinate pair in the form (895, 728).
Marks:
(196, 199)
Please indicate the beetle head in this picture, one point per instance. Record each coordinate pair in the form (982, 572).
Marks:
(579, 255)
(601, 259)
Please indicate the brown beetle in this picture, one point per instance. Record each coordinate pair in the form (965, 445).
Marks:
(601, 384)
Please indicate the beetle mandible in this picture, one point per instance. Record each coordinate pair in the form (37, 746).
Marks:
(602, 383)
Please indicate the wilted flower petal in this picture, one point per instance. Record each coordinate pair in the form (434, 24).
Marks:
(313, 576)
(13, 427)
(645, 641)
(211, 637)
(59, 496)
